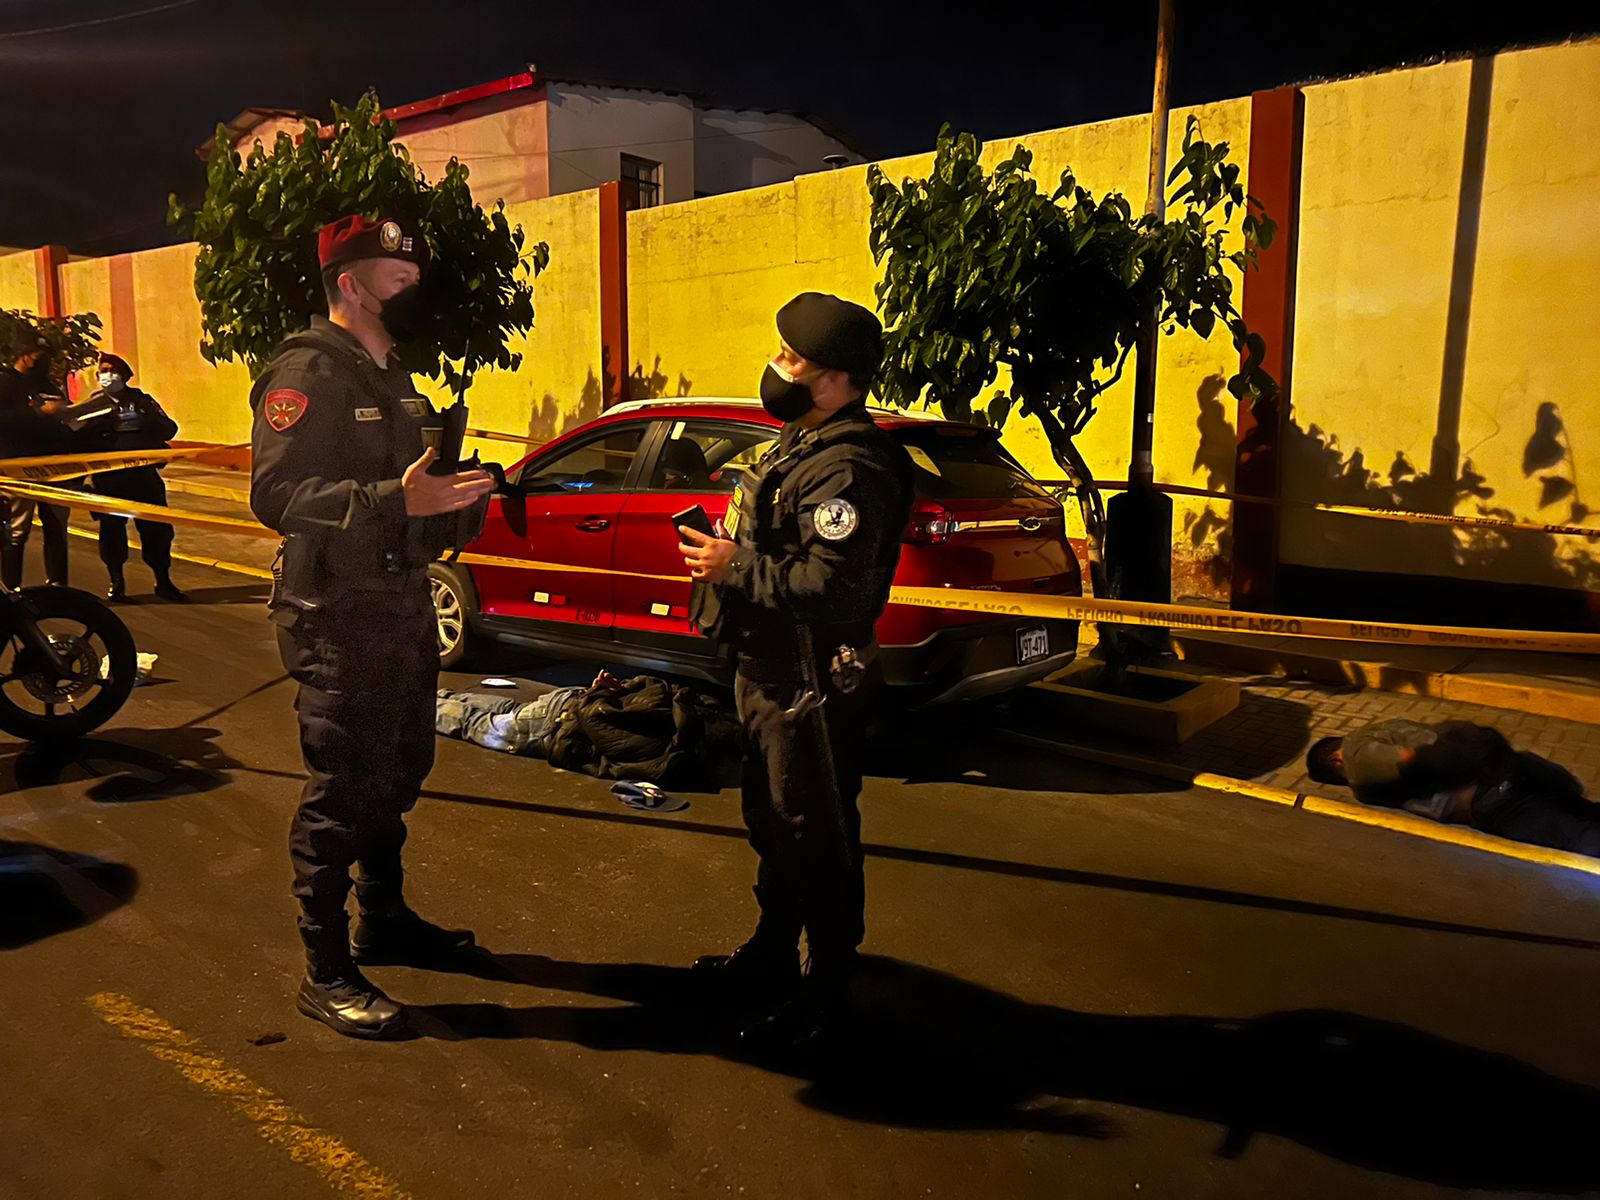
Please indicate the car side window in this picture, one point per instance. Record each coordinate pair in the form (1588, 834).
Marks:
(600, 464)
(708, 456)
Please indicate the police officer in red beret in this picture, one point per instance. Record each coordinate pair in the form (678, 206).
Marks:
(797, 588)
(340, 469)
(120, 418)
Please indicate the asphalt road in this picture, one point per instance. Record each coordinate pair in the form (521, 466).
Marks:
(1078, 986)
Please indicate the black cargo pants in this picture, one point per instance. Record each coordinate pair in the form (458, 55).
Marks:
(800, 783)
(368, 676)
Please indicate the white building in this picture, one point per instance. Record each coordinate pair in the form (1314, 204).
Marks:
(530, 135)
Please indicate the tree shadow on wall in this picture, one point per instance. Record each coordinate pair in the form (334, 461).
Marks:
(654, 385)
(549, 419)
(1328, 475)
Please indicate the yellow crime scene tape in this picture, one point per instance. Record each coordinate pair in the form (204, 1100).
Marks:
(1352, 510)
(492, 436)
(1006, 604)
(48, 468)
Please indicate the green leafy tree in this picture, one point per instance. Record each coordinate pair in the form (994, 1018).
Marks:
(257, 276)
(73, 342)
(983, 270)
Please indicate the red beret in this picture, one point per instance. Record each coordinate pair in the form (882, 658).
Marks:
(352, 238)
(110, 362)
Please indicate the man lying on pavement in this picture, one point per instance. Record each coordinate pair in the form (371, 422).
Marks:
(1459, 772)
(640, 728)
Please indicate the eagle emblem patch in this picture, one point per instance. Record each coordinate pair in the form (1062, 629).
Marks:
(835, 520)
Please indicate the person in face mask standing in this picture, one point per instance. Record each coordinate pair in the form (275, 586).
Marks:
(341, 470)
(797, 587)
(126, 418)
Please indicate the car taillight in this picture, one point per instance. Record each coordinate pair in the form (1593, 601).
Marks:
(931, 524)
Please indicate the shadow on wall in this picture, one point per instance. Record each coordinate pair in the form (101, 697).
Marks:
(654, 386)
(1203, 562)
(1532, 559)
(549, 419)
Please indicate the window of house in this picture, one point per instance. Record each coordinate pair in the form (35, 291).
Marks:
(641, 182)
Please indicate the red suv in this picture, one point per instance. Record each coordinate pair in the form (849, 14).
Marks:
(603, 494)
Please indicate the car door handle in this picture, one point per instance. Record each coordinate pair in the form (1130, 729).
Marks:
(594, 524)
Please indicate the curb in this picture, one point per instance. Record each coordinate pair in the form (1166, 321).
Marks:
(1523, 695)
(1340, 810)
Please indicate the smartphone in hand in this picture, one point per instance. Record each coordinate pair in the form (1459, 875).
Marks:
(695, 518)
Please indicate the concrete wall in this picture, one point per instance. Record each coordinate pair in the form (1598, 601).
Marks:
(705, 279)
(735, 150)
(19, 281)
(1450, 273)
(152, 319)
(592, 128)
(504, 143)
(559, 384)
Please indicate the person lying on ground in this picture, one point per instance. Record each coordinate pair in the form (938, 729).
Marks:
(1462, 773)
(642, 728)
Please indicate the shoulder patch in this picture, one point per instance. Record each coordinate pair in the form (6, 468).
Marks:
(835, 520)
(283, 407)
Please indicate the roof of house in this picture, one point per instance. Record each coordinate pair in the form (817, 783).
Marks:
(530, 79)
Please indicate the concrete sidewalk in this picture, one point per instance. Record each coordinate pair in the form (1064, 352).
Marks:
(1546, 685)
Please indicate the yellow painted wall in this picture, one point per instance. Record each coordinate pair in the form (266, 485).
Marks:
(19, 283)
(706, 278)
(1382, 181)
(557, 386)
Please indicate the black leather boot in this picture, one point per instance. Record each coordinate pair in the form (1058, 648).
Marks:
(767, 967)
(168, 590)
(118, 589)
(388, 931)
(762, 968)
(813, 1022)
(336, 993)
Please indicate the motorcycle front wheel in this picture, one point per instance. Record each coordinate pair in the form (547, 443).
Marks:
(39, 703)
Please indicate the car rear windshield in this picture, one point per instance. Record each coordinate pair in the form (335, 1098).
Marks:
(953, 464)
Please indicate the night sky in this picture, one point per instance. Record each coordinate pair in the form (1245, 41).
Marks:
(102, 102)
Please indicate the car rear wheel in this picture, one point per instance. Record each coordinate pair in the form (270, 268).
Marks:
(453, 604)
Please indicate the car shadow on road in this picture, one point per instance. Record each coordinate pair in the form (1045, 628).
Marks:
(126, 766)
(928, 1050)
(45, 891)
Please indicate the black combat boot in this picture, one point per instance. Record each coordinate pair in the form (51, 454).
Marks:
(118, 589)
(813, 1022)
(336, 993)
(767, 967)
(389, 932)
(168, 590)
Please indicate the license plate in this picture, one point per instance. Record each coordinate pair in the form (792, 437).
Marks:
(1032, 645)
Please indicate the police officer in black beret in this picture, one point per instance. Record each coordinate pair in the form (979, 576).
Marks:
(124, 418)
(797, 587)
(341, 470)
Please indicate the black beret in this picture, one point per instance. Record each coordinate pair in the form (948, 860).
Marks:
(832, 333)
(119, 366)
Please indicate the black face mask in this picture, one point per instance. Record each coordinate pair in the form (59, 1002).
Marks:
(403, 314)
(786, 399)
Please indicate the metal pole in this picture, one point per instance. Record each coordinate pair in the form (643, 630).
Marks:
(1142, 467)
(1139, 521)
